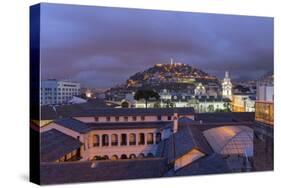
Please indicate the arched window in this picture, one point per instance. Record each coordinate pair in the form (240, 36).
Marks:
(141, 139)
(141, 155)
(132, 156)
(105, 157)
(114, 157)
(123, 156)
(123, 139)
(158, 138)
(105, 140)
(149, 138)
(96, 157)
(114, 140)
(132, 139)
(150, 155)
(96, 140)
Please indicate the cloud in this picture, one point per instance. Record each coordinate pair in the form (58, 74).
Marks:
(101, 47)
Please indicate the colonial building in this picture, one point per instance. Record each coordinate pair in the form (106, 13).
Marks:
(114, 144)
(119, 133)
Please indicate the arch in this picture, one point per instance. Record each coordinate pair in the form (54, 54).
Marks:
(132, 156)
(125, 104)
(141, 139)
(96, 157)
(132, 139)
(123, 156)
(105, 140)
(105, 157)
(114, 140)
(123, 139)
(96, 140)
(141, 155)
(150, 155)
(150, 139)
(158, 138)
(114, 157)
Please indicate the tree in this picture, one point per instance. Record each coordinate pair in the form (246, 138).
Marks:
(146, 94)
(211, 108)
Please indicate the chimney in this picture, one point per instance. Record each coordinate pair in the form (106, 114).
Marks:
(176, 123)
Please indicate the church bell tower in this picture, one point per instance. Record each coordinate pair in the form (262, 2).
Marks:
(227, 86)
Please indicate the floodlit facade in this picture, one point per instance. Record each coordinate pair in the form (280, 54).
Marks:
(243, 103)
(227, 86)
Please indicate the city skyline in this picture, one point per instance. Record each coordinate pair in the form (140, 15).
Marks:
(80, 44)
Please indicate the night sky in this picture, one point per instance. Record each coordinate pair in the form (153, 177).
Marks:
(101, 47)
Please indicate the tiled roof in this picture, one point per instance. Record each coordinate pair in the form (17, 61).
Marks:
(81, 127)
(55, 145)
(69, 172)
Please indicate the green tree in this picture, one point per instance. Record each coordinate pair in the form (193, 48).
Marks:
(146, 94)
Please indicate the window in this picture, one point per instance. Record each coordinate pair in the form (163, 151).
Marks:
(114, 140)
(169, 118)
(132, 139)
(126, 118)
(150, 138)
(108, 118)
(96, 140)
(158, 138)
(143, 118)
(123, 139)
(117, 118)
(96, 118)
(105, 140)
(134, 118)
(159, 118)
(141, 139)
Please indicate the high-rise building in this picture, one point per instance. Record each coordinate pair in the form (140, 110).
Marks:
(53, 91)
(227, 86)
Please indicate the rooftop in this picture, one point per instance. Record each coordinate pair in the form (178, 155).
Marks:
(187, 138)
(55, 173)
(55, 145)
(92, 109)
(82, 127)
(228, 140)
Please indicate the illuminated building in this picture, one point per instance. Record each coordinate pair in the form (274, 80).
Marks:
(227, 86)
(265, 101)
(243, 102)
(53, 91)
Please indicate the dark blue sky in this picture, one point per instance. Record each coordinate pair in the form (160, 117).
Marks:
(101, 47)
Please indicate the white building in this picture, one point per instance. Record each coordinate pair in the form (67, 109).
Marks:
(53, 91)
(226, 86)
